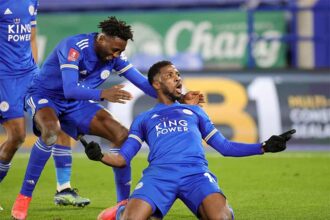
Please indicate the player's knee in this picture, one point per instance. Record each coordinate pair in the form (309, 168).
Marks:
(223, 214)
(129, 216)
(16, 139)
(49, 133)
(19, 139)
(11, 145)
(50, 138)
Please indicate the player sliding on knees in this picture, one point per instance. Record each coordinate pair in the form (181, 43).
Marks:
(177, 165)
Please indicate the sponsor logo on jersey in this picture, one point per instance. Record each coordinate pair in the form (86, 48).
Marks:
(73, 55)
(17, 20)
(170, 126)
(8, 12)
(4, 106)
(18, 31)
(105, 74)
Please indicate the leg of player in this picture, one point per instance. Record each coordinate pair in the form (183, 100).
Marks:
(15, 129)
(12, 118)
(113, 213)
(215, 206)
(137, 209)
(47, 122)
(104, 125)
(62, 156)
(134, 209)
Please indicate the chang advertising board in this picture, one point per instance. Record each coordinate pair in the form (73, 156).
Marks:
(251, 108)
(209, 39)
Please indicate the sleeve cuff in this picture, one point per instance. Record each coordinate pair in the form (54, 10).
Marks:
(125, 158)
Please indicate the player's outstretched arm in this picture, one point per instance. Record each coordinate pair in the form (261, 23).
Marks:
(140, 81)
(94, 152)
(277, 143)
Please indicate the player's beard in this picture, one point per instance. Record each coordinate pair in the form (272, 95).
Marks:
(100, 53)
(171, 95)
(102, 57)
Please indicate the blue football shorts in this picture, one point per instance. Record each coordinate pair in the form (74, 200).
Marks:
(12, 93)
(161, 185)
(75, 116)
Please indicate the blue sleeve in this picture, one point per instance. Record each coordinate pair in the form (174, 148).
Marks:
(233, 149)
(134, 141)
(69, 56)
(216, 140)
(126, 69)
(72, 89)
(129, 149)
(34, 15)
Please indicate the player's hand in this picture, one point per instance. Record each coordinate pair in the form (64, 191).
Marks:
(92, 150)
(116, 94)
(277, 143)
(193, 98)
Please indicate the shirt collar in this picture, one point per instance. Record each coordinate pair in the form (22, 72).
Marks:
(162, 105)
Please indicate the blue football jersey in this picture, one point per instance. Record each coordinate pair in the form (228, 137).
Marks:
(174, 133)
(75, 53)
(16, 20)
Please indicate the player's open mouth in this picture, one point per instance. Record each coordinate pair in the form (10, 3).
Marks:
(179, 88)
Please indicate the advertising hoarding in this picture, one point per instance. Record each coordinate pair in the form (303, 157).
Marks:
(194, 40)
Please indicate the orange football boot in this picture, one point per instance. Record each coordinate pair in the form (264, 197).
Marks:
(20, 207)
(112, 213)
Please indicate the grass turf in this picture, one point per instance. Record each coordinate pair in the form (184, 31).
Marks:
(289, 185)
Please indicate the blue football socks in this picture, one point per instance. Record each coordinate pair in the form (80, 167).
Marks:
(63, 162)
(4, 167)
(40, 154)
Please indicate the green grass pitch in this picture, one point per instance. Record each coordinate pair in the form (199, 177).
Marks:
(288, 185)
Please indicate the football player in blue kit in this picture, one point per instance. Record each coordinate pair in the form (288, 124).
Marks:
(63, 95)
(18, 56)
(18, 52)
(177, 165)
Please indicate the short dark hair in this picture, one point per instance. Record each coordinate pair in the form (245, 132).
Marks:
(155, 69)
(117, 28)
